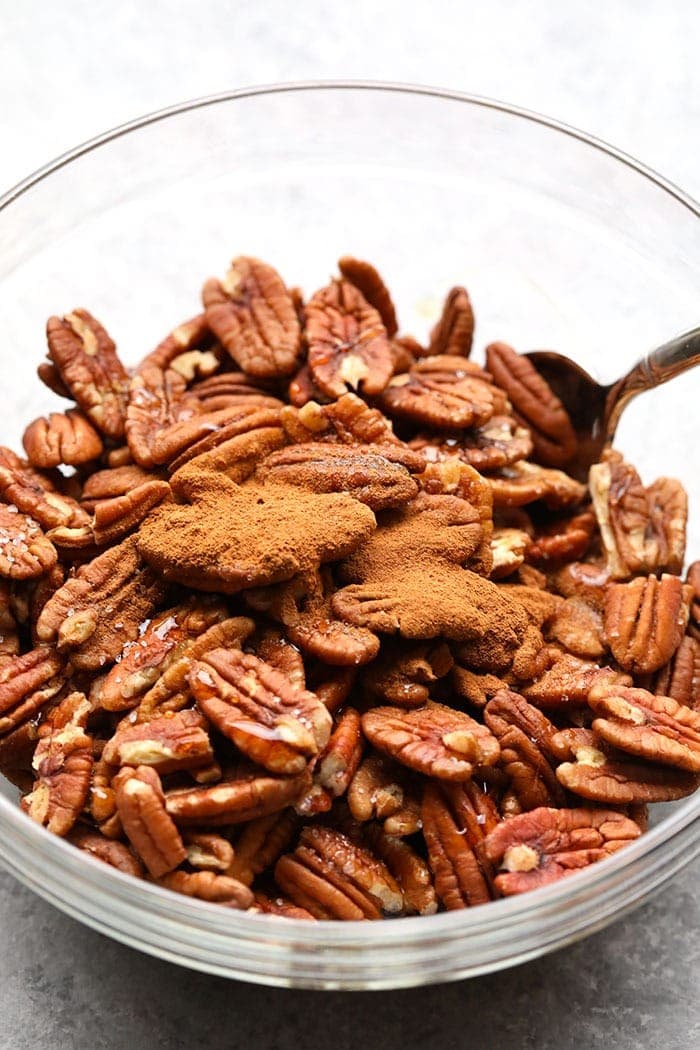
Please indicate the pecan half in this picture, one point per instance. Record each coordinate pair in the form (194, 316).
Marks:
(568, 681)
(446, 392)
(101, 607)
(113, 482)
(280, 906)
(192, 336)
(208, 886)
(369, 283)
(246, 795)
(645, 620)
(87, 361)
(498, 443)
(403, 675)
(159, 644)
(693, 581)
(524, 483)
(35, 494)
(341, 756)
(113, 518)
(177, 740)
(157, 401)
(508, 548)
(597, 771)
(653, 727)
(435, 740)
(63, 764)
(680, 677)
(642, 529)
(271, 646)
(27, 682)
(578, 627)
(454, 332)
(378, 789)
(116, 854)
(454, 825)
(260, 843)
(361, 472)
(410, 871)
(149, 828)
(269, 720)
(524, 734)
(565, 539)
(349, 420)
(25, 552)
(65, 437)
(171, 691)
(252, 312)
(333, 878)
(534, 403)
(348, 344)
(208, 852)
(542, 846)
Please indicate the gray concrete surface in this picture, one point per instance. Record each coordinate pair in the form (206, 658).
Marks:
(625, 70)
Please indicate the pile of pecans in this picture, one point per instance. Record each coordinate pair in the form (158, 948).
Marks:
(304, 617)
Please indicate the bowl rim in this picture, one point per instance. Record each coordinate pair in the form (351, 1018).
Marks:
(582, 885)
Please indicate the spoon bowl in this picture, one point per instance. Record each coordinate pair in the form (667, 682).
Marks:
(595, 408)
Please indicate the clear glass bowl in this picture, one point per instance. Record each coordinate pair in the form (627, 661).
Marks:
(562, 241)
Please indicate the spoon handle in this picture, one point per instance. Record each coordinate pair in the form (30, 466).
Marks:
(662, 364)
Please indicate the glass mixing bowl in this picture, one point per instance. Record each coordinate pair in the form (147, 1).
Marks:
(562, 241)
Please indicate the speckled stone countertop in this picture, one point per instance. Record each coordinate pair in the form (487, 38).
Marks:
(627, 71)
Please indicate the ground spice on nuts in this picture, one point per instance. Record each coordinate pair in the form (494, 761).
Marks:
(300, 616)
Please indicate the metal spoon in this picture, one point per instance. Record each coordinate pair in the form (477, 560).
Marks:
(595, 409)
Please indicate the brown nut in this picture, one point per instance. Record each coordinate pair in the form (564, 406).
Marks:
(116, 854)
(656, 728)
(498, 443)
(535, 404)
(25, 552)
(260, 843)
(446, 392)
(564, 539)
(544, 845)
(597, 771)
(410, 871)
(241, 796)
(435, 740)
(348, 344)
(338, 762)
(113, 518)
(67, 438)
(149, 828)
(27, 683)
(578, 627)
(333, 878)
(177, 740)
(454, 332)
(272, 722)
(568, 681)
(252, 313)
(35, 494)
(101, 607)
(87, 361)
(645, 620)
(680, 677)
(454, 825)
(402, 675)
(642, 529)
(524, 735)
(208, 852)
(63, 764)
(523, 483)
(369, 283)
(208, 886)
